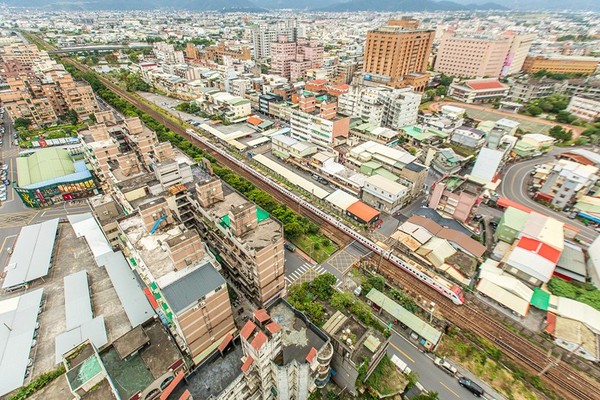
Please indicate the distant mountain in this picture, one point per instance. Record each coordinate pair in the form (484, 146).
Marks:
(409, 5)
(534, 5)
(198, 5)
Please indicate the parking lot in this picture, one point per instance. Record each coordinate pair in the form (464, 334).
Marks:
(71, 255)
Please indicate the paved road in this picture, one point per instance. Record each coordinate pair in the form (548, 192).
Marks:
(514, 187)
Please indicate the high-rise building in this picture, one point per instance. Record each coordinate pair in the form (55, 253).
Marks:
(561, 64)
(246, 239)
(320, 127)
(394, 108)
(181, 276)
(264, 35)
(478, 56)
(293, 59)
(165, 53)
(398, 55)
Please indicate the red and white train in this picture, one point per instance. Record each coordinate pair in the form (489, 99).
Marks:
(441, 285)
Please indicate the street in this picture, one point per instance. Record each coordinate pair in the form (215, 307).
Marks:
(514, 187)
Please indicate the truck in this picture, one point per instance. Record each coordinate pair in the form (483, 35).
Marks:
(445, 366)
(401, 365)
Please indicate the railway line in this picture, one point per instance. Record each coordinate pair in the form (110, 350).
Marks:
(566, 381)
(561, 377)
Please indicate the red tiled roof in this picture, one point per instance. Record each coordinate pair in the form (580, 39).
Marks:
(262, 315)
(150, 298)
(317, 82)
(550, 323)
(342, 87)
(165, 395)
(311, 354)
(363, 211)
(186, 395)
(258, 341)
(247, 364)
(577, 158)
(273, 327)
(228, 338)
(485, 85)
(247, 330)
(254, 120)
(534, 245)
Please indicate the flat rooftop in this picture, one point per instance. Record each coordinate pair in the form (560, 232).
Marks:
(298, 336)
(267, 231)
(216, 374)
(149, 246)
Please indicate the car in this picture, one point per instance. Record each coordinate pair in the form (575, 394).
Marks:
(567, 209)
(7, 182)
(3, 197)
(572, 215)
(471, 386)
(315, 177)
(4, 167)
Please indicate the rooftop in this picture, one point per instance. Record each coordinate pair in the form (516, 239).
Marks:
(299, 335)
(267, 231)
(49, 166)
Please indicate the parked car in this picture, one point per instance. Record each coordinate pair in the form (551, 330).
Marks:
(7, 182)
(5, 167)
(315, 177)
(572, 214)
(471, 386)
(290, 247)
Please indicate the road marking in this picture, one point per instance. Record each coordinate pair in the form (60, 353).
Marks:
(450, 390)
(4, 242)
(402, 352)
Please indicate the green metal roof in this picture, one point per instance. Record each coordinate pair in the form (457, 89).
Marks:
(515, 218)
(540, 299)
(400, 313)
(386, 174)
(44, 165)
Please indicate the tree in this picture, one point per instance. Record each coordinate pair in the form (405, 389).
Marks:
(92, 117)
(427, 396)
(342, 300)
(322, 285)
(73, 117)
(446, 80)
(559, 133)
(441, 90)
(22, 123)
(534, 110)
(565, 117)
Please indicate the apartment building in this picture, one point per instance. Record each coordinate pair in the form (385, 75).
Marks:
(529, 89)
(264, 35)
(321, 128)
(589, 87)
(284, 147)
(45, 95)
(166, 54)
(398, 55)
(384, 194)
(446, 161)
(291, 59)
(560, 183)
(456, 197)
(247, 240)
(477, 56)
(561, 64)
(383, 106)
(584, 108)
(181, 275)
(478, 91)
(279, 355)
(234, 108)
(470, 138)
(221, 51)
(23, 54)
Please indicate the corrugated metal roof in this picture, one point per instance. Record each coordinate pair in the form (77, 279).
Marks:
(128, 288)
(503, 297)
(531, 263)
(20, 315)
(487, 164)
(572, 259)
(515, 218)
(78, 306)
(507, 282)
(94, 330)
(581, 312)
(31, 254)
(44, 165)
(416, 324)
(341, 199)
(190, 288)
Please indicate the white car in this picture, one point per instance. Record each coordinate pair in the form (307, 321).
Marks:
(3, 197)
(5, 167)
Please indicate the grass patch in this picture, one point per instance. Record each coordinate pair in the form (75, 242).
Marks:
(38, 383)
(386, 379)
(54, 132)
(317, 246)
(484, 364)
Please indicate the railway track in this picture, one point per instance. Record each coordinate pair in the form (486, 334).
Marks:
(561, 377)
(566, 381)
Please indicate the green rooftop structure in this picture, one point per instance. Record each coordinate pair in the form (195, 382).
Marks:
(430, 336)
(52, 175)
(540, 299)
(261, 215)
(523, 149)
(511, 224)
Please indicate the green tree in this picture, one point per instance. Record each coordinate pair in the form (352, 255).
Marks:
(534, 110)
(342, 300)
(441, 90)
(427, 396)
(323, 286)
(73, 117)
(293, 230)
(22, 123)
(560, 134)
(446, 80)
(92, 117)
(565, 117)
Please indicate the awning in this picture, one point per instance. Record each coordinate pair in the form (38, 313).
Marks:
(590, 217)
(540, 299)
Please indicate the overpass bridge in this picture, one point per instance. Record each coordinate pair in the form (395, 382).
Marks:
(100, 48)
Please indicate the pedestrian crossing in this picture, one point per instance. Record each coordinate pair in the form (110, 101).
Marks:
(306, 273)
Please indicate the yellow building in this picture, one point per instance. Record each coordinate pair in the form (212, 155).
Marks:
(561, 64)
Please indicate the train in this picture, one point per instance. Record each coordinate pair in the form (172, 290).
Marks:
(436, 282)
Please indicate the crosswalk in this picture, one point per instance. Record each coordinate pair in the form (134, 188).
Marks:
(306, 273)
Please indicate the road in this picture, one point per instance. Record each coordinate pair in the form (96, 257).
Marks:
(431, 377)
(514, 187)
